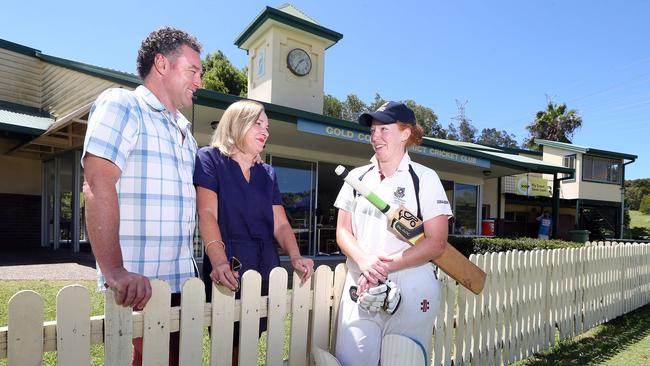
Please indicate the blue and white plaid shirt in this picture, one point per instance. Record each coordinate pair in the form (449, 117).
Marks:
(155, 191)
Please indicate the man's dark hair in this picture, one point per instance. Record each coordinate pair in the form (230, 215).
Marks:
(166, 41)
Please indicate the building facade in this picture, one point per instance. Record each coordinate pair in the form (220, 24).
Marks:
(45, 101)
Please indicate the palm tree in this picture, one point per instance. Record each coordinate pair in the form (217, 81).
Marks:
(556, 123)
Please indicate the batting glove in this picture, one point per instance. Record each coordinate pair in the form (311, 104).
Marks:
(393, 297)
(372, 300)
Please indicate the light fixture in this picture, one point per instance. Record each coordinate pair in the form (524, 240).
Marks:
(214, 124)
(487, 173)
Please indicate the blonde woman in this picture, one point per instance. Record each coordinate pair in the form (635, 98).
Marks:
(239, 204)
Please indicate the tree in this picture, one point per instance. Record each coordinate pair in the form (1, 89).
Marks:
(556, 123)
(332, 107)
(349, 109)
(465, 131)
(645, 204)
(427, 119)
(353, 107)
(378, 102)
(452, 132)
(634, 191)
(220, 75)
(491, 136)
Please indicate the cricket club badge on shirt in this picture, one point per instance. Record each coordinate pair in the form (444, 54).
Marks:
(398, 195)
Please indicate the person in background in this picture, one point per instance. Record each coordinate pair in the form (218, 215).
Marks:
(545, 223)
(392, 286)
(240, 209)
(138, 161)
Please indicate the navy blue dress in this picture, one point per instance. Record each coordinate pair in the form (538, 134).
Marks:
(245, 212)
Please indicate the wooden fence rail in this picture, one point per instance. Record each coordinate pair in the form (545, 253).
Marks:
(528, 296)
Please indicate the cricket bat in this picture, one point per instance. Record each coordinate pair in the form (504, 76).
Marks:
(410, 228)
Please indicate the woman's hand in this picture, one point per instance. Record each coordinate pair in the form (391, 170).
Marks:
(222, 275)
(374, 268)
(303, 266)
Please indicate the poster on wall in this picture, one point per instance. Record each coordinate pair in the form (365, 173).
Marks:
(527, 185)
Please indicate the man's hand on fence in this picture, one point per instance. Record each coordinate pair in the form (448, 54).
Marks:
(131, 289)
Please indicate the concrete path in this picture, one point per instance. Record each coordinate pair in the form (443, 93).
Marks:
(55, 271)
(46, 264)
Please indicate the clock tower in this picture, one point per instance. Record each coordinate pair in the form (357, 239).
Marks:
(286, 57)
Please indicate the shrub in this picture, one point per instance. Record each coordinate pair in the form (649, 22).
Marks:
(637, 233)
(645, 204)
(469, 245)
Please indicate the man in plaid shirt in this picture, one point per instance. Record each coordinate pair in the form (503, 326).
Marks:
(138, 164)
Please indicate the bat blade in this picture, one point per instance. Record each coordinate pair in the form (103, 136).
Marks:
(410, 229)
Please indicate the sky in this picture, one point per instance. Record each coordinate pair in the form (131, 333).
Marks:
(503, 59)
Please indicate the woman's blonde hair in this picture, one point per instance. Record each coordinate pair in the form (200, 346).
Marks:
(238, 118)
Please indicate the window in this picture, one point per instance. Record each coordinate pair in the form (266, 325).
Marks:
(297, 182)
(601, 169)
(466, 205)
(515, 216)
(569, 161)
(485, 211)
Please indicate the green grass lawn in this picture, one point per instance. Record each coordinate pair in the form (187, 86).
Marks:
(622, 341)
(639, 219)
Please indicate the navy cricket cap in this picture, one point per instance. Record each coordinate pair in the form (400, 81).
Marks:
(388, 113)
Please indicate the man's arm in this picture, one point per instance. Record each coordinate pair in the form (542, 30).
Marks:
(102, 222)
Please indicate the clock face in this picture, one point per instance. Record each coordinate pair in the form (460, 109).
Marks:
(299, 62)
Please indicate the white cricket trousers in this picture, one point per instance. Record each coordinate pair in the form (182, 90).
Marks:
(359, 335)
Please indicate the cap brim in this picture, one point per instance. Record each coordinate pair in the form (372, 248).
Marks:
(367, 118)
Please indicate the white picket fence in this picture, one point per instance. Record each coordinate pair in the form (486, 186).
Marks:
(528, 295)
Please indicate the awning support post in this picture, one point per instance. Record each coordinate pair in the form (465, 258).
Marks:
(556, 205)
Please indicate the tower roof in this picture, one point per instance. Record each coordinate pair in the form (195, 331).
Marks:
(287, 15)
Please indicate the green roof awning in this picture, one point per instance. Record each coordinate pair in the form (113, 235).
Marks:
(500, 157)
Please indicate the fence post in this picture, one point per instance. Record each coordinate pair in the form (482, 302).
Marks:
(191, 323)
(118, 332)
(73, 326)
(222, 325)
(300, 302)
(249, 323)
(319, 327)
(25, 335)
(278, 281)
(156, 325)
(340, 273)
